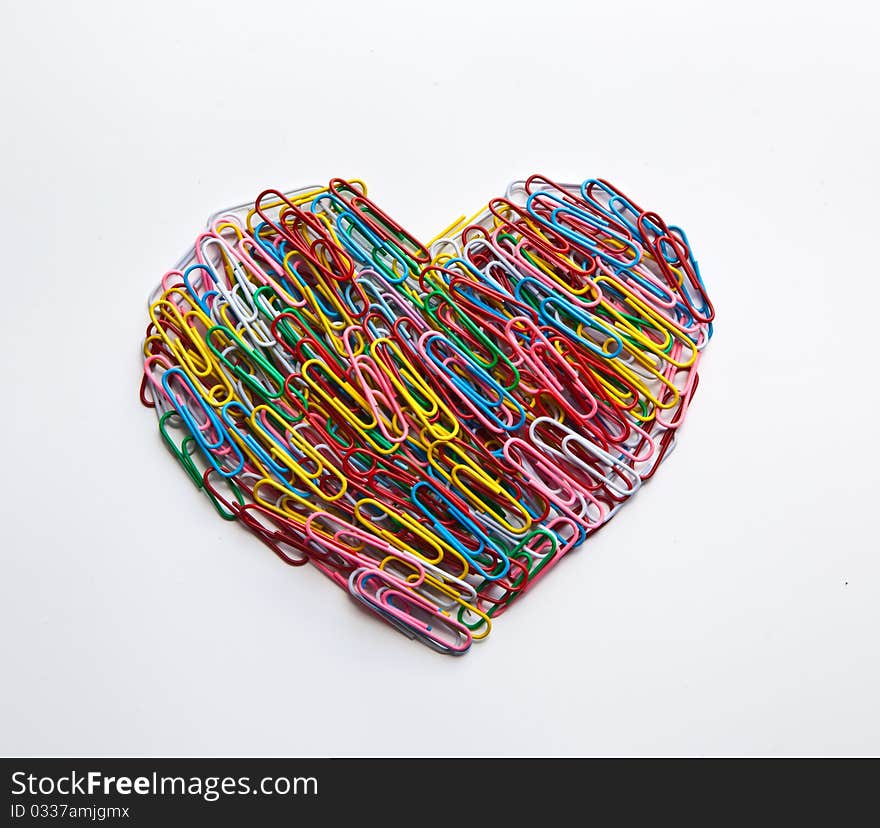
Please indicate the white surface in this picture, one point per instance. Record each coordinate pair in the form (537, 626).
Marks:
(733, 608)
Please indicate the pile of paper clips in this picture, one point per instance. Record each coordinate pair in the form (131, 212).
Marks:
(432, 426)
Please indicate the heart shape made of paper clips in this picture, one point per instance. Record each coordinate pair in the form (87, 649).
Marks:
(434, 426)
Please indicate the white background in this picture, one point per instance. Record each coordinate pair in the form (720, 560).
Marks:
(732, 608)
